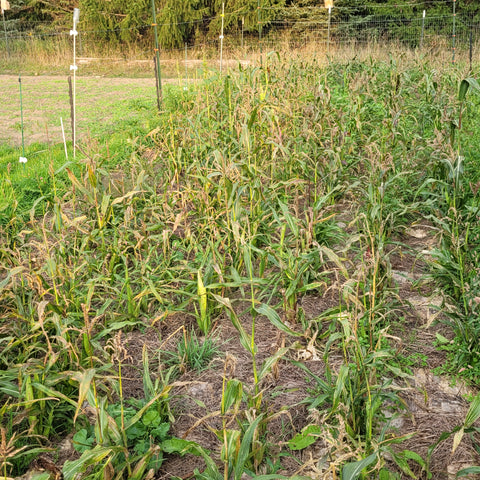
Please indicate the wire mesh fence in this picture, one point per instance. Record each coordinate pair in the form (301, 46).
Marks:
(459, 32)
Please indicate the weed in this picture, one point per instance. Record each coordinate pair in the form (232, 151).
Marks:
(193, 353)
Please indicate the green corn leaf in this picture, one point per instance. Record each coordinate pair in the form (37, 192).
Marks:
(472, 416)
(465, 85)
(467, 471)
(273, 316)
(245, 338)
(253, 117)
(270, 361)
(415, 457)
(72, 469)
(305, 438)
(155, 291)
(401, 460)
(291, 220)
(148, 388)
(230, 445)
(351, 471)
(244, 450)
(340, 386)
(231, 395)
(9, 388)
(53, 393)
(311, 286)
(473, 413)
(207, 458)
(320, 382)
(114, 327)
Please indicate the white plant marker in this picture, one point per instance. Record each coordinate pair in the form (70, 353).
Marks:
(221, 38)
(74, 33)
(23, 158)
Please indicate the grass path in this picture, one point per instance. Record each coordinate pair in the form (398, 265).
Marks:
(101, 103)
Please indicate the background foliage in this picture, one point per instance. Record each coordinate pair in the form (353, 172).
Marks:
(187, 21)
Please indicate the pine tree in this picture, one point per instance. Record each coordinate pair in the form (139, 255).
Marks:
(178, 19)
(250, 12)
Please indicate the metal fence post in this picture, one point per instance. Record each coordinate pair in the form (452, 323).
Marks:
(74, 33)
(259, 28)
(329, 23)
(453, 32)
(157, 57)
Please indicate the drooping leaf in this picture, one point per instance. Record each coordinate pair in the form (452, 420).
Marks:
(465, 84)
(270, 361)
(245, 338)
(10, 274)
(71, 469)
(275, 319)
(84, 380)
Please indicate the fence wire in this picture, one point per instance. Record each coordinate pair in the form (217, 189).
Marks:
(411, 32)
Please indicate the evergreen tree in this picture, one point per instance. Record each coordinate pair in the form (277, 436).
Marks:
(246, 11)
(32, 11)
(179, 19)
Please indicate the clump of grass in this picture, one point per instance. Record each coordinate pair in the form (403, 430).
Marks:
(193, 353)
